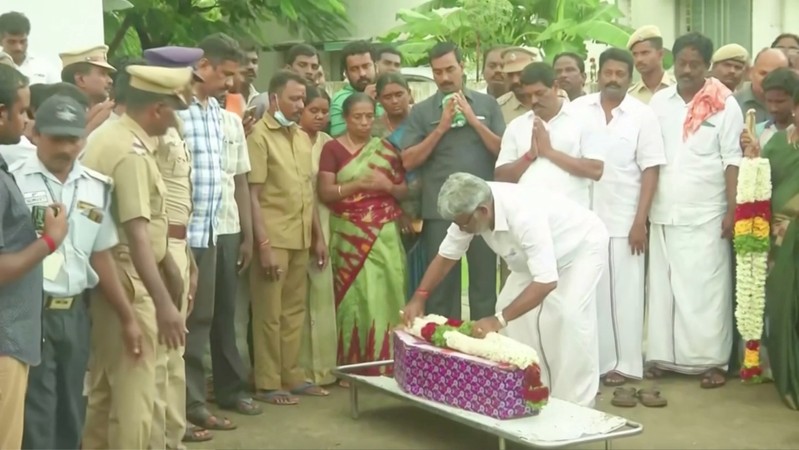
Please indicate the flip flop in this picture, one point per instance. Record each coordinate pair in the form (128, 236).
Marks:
(244, 406)
(624, 397)
(211, 422)
(276, 397)
(310, 390)
(710, 380)
(651, 398)
(613, 379)
(197, 434)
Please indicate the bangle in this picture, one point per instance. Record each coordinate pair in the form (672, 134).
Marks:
(263, 243)
(528, 157)
(424, 294)
(501, 318)
(339, 191)
(50, 243)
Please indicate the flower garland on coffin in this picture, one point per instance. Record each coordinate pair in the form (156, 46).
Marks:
(457, 335)
(751, 241)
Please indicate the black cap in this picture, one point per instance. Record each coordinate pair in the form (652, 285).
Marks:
(60, 115)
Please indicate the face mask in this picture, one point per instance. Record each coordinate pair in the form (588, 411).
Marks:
(280, 117)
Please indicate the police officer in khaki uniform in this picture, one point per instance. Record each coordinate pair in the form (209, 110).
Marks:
(646, 45)
(5, 58)
(89, 70)
(174, 162)
(729, 65)
(514, 60)
(54, 406)
(122, 392)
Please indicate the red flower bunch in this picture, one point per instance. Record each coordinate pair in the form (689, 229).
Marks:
(748, 373)
(536, 394)
(428, 330)
(454, 323)
(747, 211)
(533, 392)
(753, 345)
(532, 375)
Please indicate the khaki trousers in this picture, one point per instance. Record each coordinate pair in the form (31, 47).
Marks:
(122, 391)
(169, 411)
(13, 385)
(278, 314)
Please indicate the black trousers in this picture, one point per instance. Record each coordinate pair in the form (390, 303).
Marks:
(445, 300)
(213, 318)
(55, 408)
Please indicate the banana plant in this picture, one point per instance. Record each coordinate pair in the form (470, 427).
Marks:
(554, 26)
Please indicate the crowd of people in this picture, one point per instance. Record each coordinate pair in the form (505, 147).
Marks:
(172, 237)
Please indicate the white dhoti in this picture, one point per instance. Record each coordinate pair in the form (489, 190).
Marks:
(620, 310)
(690, 289)
(563, 329)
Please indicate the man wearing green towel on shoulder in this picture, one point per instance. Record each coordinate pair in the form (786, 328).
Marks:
(359, 66)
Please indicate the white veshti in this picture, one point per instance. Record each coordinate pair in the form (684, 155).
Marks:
(494, 347)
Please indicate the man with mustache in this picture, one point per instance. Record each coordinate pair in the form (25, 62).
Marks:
(570, 68)
(492, 72)
(250, 70)
(303, 60)
(646, 45)
(629, 130)
(15, 29)
(88, 69)
(751, 95)
(359, 67)
(514, 103)
(690, 257)
(546, 148)
(729, 65)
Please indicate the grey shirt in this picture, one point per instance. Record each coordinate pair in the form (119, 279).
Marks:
(746, 100)
(459, 150)
(21, 300)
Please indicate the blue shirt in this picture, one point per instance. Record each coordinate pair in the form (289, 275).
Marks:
(204, 136)
(21, 300)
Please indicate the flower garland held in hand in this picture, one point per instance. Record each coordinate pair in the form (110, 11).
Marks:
(751, 241)
(457, 335)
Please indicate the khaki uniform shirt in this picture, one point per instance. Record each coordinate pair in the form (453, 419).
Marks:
(643, 93)
(123, 151)
(174, 162)
(281, 161)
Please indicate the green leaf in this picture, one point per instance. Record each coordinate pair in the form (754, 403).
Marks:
(604, 32)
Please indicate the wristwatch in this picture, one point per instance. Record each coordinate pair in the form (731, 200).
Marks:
(501, 318)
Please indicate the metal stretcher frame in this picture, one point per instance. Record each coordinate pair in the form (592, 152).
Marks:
(345, 373)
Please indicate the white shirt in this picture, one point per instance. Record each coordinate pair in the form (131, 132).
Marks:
(40, 70)
(633, 143)
(691, 188)
(568, 135)
(17, 152)
(235, 161)
(535, 232)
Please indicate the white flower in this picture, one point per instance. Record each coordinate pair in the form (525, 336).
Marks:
(494, 347)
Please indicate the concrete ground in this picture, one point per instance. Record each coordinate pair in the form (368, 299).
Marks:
(732, 417)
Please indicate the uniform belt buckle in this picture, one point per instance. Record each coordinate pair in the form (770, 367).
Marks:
(61, 303)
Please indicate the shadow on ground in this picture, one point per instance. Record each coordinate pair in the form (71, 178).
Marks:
(731, 417)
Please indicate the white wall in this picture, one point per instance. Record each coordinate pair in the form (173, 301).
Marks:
(372, 18)
(60, 25)
(770, 18)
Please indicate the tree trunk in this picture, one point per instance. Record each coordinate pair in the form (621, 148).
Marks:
(119, 36)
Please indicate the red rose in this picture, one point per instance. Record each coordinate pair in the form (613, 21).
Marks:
(539, 394)
(454, 322)
(753, 345)
(532, 375)
(428, 330)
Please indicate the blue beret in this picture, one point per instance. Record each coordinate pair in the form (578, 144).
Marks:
(173, 56)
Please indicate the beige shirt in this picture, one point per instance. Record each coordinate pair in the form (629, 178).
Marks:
(644, 94)
(235, 161)
(174, 162)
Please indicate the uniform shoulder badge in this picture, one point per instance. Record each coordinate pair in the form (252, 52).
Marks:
(138, 147)
(504, 98)
(98, 176)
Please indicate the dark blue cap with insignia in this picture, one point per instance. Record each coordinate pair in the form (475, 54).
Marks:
(60, 115)
(174, 57)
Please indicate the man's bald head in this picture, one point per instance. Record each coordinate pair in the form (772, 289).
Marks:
(766, 62)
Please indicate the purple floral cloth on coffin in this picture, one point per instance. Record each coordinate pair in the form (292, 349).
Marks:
(458, 380)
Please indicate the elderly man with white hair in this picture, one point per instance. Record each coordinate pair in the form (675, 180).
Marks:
(556, 251)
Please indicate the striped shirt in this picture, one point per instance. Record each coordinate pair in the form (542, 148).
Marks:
(204, 135)
(235, 161)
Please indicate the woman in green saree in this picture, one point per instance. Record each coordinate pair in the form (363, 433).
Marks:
(782, 285)
(361, 180)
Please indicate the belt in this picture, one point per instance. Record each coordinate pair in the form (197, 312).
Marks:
(61, 303)
(176, 231)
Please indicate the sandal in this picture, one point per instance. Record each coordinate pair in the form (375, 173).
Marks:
(211, 422)
(653, 373)
(713, 378)
(614, 379)
(651, 398)
(624, 397)
(344, 384)
(310, 390)
(244, 406)
(276, 397)
(197, 434)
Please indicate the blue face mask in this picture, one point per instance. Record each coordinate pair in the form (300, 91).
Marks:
(280, 117)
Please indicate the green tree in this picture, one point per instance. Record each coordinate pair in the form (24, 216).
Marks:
(155, 23)
(554, 26)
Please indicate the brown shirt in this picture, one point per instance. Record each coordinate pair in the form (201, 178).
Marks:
(643, 93)
(174, 162)
(123, 151)
(281, 161)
